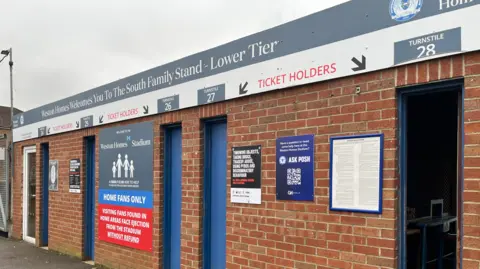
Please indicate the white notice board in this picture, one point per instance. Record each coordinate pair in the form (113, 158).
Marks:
(356, 165)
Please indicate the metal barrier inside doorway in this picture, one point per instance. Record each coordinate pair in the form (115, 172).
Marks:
(4, 183)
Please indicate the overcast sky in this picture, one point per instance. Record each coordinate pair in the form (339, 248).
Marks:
(61, 48)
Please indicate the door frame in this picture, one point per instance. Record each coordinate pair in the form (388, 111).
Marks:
(207, 185)
(170, 199)
(456, 85)
(26, 151)
(45, 193)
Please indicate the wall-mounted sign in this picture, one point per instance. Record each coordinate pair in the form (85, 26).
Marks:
(295, 168)
(373, 35)
(74, 176)
(167, 104)
(246, 175)
(427, 45)
(86, 122)
(125, 201)
(53, 175)
(356, 165)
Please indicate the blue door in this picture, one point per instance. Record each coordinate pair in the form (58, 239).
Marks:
(89, 203)
(172, 197)
(44, 223)
(215, 196)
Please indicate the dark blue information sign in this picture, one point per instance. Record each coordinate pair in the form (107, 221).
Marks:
(295, 168)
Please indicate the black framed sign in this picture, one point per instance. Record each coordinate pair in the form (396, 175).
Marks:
(246, 175)
(74, 176)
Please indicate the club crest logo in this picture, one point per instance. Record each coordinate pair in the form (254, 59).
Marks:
(404, 10)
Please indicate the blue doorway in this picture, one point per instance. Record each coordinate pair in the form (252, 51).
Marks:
(215, 196)
(45, 192)
(172, 197)
(431, 142)
(89, 203)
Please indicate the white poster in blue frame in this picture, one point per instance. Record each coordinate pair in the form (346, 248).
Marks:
(356, 173)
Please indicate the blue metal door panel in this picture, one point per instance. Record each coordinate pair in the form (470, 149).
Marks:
(90, 198)
(172, 197)
(215, 195)
(45, 158)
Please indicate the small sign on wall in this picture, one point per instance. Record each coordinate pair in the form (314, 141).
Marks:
(53, 175)
(295, 168)
(356, 165)
(74, 176)
(246, 175)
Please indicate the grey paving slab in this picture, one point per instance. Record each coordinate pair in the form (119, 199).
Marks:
(16, 254)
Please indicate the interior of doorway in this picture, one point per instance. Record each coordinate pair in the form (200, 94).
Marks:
(431, 150)
(45, 194)
(29, 194)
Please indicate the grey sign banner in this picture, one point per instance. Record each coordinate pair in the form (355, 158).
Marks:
(344, 21)
(428, 45)
(126, 157)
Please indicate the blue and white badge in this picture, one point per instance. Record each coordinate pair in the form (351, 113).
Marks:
(404, 10)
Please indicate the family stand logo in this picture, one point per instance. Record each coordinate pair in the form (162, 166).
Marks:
(404, 10)
(127, 166)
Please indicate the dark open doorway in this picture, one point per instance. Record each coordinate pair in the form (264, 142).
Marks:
(431, 179)
(45, 194)
(89, 199)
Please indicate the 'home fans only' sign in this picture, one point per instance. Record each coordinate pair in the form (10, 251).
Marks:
(125, 195)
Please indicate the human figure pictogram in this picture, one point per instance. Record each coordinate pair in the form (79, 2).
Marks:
(114, 169)
(126, 165)
(131, 169)
(119, 166)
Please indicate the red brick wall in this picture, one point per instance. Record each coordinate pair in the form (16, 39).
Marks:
(278, 234)
(472, 161)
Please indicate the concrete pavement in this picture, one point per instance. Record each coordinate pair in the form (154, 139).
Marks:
(18, 254)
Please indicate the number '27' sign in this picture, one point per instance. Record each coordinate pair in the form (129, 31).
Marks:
(211, 94)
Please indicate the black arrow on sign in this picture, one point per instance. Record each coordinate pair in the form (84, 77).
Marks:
(360, 65)
(100, 119)
(48, 131)
(145, 109)
(78, 124)
(241, 89)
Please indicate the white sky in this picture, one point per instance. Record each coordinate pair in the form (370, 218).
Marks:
(61, 48)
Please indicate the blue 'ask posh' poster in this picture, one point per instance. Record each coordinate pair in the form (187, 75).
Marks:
(295, 168)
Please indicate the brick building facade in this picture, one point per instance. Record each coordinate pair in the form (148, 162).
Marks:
(278, 234)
